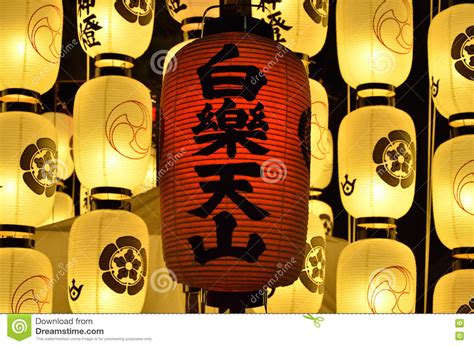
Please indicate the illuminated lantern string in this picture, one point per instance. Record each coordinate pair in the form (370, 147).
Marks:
(453, 293)
(453, 194)
(30, 45)
(376, 276)
(108, 258)
(377, 164)
(26, 286)
(377, 37)
(299, 25)
(245, 128)
(451, 64)
(115, 31)
(112, 132)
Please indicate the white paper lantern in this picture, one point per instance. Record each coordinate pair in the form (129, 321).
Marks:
(151, 176)
(377, 162)
(299, 25)
(453, 192)
(376, 276)
(306, 294)
(451, 60)
(84, 206)
(26, 284)
(454, 293)
(374, 41)
(170, 61)
(120, 27)
(28, 161)
(64, 128)
(30, 44)
(321, 138)
(189, 13)
(108, 259)
(63, 209)
(112, 132)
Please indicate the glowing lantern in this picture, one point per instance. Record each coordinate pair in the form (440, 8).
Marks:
(63, 124)
(321, 138)
(30, 44)
(453, 193)
(112, 132)
(454, 293)
(26, 285)
(151, 176)
(108, 259)
(115, 31)
(451, 63)
(377, 37)
(63, 209)
(189, 13)
(377, 162)
(300, 25)
(306, 294)
(376, 276)
(249, 208)
(27, 168)
(170, 61)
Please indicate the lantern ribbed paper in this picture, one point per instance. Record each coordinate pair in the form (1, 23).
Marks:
(453, 192)
(151, 176)
(170, 61)
(108, 261)
(63, 209)
(450, 60)
(27, 168)
(120, 27)
(190, 12)
(374, 41)
(112, 132)
(454, 293)
(376, 276)
(321, 138)
(30, 44)
(306, 294)
(26, 286)
(241, 130)
(300, 25)
(64, 125)
(377, 162)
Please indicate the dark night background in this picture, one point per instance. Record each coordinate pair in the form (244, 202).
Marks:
(412, 97)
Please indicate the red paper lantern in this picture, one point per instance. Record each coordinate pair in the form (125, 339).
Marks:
(235, 162)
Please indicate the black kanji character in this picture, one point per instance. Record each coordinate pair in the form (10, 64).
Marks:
(88, 27)
(85, 5)
(176, 6)
(227, 186)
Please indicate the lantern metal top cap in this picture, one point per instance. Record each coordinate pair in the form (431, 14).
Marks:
(376, 223)
(238, 24)
(113, 64)
(22, 100)
(114, 198)
(17, 236)
(462, 120)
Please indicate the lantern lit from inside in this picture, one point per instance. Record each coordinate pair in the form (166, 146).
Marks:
(306, 293)
(108, 261)
(246, 163)
(190, 12)
(26, 286)
(321, 138)
(299, 25)
(453, 192)
(63, 124)
(63, 209)
(374, 41)
(112, 132)
(151, 176)
(170, 61)
(450, 60)
(30, 44)
(454, 293)
(120, 27)
(377, 162)
(28, 164)
(376, 276)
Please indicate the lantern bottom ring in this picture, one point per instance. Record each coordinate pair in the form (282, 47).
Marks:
(235, 301)
(20, 100)
(23, 243)
(464, 253)
(376, 90)
(381, 223)
(462, 120)
(315, 193)
(16, 229)
(112, 64)
(462, 263)
(371, 233)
